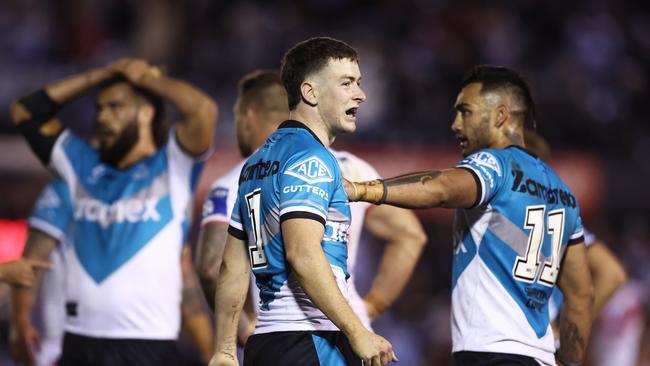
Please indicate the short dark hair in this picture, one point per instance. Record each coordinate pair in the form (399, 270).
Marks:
(497, 78)
(256, 89)
(310, 56)
(159, 127)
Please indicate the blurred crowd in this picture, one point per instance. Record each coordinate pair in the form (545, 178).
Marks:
(588, 63)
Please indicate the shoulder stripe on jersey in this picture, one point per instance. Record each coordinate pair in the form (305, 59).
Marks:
(308, 209)
(236, 233)
(298, 202)
(480, 185)
(576, 240)
(302, 215)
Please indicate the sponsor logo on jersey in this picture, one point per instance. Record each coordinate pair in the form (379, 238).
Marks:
(259, 170)
(307, 188)
(537, 189)
(130, 210)
(336, 231)
(485, 159)
(311, 170)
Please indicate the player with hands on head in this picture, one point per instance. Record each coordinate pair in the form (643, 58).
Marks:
(131, 195)
(516, 223)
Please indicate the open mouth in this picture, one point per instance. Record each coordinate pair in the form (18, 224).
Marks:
(352, 112)
(462, 141)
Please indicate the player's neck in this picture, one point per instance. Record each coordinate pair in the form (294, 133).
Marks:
(510, 138)
(141, 150)
(314, 123)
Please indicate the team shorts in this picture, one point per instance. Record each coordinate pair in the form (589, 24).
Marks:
(466, 358)
(307, 348)
(84, 351)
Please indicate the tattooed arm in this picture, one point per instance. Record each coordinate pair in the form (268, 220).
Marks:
(575, 317)
(455, 188)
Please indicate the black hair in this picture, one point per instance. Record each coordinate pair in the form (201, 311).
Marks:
(310, 56)
(159, 127)
(496, 78)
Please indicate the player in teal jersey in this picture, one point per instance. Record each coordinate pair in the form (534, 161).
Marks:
(291, 221)
(516, 224)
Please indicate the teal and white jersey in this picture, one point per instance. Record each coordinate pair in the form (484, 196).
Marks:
(52, 215)
(507, 254)
(127, 232)
(291, 176)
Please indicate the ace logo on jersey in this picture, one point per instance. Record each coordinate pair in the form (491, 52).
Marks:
(311, 170)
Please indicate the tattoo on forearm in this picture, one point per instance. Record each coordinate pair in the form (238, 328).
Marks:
(421, 177)
(572, 344)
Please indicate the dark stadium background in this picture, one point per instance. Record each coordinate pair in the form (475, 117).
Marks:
(588, 63)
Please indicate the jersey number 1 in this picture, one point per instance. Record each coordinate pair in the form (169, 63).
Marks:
(526, 267)
(256, 251)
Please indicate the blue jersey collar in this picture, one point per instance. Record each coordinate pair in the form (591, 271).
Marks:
(296, 124)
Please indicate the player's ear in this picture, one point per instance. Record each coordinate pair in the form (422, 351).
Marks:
(145, 114)
(502, 115)
(308, 93)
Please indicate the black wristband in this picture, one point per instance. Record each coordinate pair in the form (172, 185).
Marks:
(40, 105)
(41, 108)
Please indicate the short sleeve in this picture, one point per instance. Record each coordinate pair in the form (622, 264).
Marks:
(236, 228)
(487, 168)
(578, 233)
(53, 212)
(218, 205)
(307, 183)
(590, 238)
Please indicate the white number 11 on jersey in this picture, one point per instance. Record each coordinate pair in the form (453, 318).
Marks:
(526, 267)
(256, 251)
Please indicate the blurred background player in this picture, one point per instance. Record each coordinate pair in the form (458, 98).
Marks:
(516, 223)
(48, 226)
(131, 198)
(292, 214)
(260, 108)
(41, 344)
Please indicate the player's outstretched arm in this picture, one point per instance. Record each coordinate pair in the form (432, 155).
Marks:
(23, 337)
(198, 110)
(607, 274)
(405, 239)
(195, 317)
(211, 244)
(35, 114)
(576, 314)
(231, 291)
(455, 188)
(302, 242)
